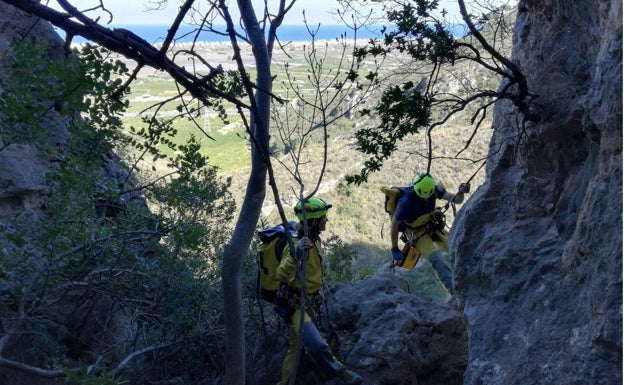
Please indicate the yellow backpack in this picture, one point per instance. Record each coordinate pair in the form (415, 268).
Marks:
(392, 197)
(273, 241)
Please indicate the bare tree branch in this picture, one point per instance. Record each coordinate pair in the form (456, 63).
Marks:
(58, 373)
(515, 77)
(123, 363)
(129, 45)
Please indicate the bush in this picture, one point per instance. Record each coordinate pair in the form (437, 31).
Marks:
(112, 263)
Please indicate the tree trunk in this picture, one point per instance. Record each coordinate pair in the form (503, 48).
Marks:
(238, 247)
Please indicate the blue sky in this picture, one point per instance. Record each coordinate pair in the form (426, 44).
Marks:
(134, 11)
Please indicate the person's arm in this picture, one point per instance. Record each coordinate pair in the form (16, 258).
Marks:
(394, 233)
(456, 198)
(287, 269)
(394, 240)
(459, 197)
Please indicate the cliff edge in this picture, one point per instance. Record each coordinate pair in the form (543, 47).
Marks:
(538, 248)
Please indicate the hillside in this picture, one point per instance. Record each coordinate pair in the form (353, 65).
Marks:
(358, 218)
(453, 162)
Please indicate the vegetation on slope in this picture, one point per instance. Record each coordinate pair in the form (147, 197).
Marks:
(358, 218)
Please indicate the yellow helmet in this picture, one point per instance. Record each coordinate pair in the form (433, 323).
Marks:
(424, 185)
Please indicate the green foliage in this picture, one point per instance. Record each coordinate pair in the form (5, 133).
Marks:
(230, 83)
(419, 34)
(39, 86)
(102, 103)
(249, 279)
(403, 109)
(340, 258)
(103, 257)
(194, 206)
(153, 134)
(87, 376)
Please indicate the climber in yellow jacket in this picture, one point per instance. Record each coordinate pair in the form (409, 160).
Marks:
(288, 303)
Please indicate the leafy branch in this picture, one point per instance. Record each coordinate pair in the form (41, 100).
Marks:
(407, 108)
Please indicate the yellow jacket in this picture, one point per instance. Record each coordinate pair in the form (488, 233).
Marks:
(287, 270)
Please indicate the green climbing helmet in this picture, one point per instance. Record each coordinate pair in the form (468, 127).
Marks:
(314, 207)
(424, 185)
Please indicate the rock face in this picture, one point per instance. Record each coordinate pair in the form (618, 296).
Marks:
(23, 169)
(392, 337)
(539, 246)
(382, 332)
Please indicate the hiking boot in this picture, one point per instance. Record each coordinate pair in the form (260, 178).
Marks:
(350, 377)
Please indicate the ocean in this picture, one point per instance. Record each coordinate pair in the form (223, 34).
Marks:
(155, 34)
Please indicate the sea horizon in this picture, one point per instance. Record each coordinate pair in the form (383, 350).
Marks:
(155, 33)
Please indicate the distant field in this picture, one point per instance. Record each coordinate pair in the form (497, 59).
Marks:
(227, 150)
(154, 91)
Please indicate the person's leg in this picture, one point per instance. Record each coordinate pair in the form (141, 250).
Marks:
(320, 353)
(441, 239)
(442, 268)
(291, 354)
(317, 349)
(437, 258)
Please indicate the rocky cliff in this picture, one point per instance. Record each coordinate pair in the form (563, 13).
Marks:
(538, 247)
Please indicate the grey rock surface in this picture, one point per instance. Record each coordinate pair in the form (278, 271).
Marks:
(538, 248)
(393, 337)
(539, 245)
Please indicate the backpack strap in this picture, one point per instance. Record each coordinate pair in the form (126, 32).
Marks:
(280, 245)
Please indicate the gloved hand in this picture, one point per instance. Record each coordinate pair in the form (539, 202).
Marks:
(396, 254)
(304, 245)
(438, 216)
(438, 220)
(459, 197)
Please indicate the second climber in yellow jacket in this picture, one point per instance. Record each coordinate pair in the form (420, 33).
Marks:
(294, 274)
